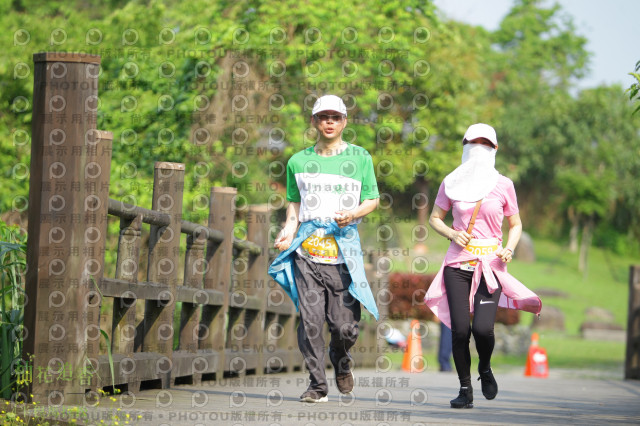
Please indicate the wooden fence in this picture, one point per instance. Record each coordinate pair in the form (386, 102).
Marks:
(233, 319)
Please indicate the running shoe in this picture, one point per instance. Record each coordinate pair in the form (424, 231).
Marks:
(345, 381)
(313, 396)
(464, 399)
(489, 384)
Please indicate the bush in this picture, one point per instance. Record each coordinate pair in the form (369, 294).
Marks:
(12, 301)
(408, 293)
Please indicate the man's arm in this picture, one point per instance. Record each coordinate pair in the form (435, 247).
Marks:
(285, 237)
(346, 216)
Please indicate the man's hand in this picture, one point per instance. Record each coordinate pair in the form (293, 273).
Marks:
(343, 218)
(284, 239)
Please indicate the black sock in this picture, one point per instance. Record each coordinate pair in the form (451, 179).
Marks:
(483, 367)
(465, 382)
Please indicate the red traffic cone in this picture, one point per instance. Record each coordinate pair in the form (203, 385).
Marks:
(412, 361)
(537, 363)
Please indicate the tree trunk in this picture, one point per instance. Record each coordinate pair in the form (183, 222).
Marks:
(587, 233)
(575, 227)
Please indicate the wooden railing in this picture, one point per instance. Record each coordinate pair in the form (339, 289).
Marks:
(233, 319)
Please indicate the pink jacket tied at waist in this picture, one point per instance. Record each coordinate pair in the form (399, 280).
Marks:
(515, 295)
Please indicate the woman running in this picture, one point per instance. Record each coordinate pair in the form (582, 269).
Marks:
(473, 277)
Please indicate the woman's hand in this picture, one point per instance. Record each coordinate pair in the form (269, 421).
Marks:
(506, 254)
(515, 230)
(461, 238)
(436, 220)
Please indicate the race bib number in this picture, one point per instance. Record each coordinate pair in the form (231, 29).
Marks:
(479, 248)
(322, 249)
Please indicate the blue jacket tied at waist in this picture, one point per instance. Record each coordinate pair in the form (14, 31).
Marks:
(348, 239)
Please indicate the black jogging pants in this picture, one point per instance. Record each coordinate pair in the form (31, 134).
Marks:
(458, 285)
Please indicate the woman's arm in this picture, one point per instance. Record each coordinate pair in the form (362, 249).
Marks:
(515, 231)
(436, 220)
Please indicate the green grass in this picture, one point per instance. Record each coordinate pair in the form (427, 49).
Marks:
(574, 352)
(605, 284)
(562, 351)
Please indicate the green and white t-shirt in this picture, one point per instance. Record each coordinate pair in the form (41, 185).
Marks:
(325, 185)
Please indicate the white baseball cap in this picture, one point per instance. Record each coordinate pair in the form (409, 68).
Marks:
(481, 130)
(329, 103)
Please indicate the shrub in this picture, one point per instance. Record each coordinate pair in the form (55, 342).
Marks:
(408, 293)
(12, 301)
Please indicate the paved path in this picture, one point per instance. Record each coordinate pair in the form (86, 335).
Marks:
(392, 398)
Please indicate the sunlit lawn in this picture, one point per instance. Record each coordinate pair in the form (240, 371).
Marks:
(562, 352)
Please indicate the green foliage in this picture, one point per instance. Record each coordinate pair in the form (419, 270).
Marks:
(366, 58)
(587, 193)
(540, 45)
(634, 89)
(540, 54)
(598, 167)
(12, 301)
(228, 91)
(609, 238)
(564, 152)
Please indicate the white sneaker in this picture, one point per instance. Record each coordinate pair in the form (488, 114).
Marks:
(313, 397)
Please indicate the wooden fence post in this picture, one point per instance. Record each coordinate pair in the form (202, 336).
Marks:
(222, 210)
(632, 362)
(239, 357)
(164, 255)
(123, 331)
(280, 325)
(185, 361)
(96, 178)
(193, 276)
(256, 283)
(68, 198)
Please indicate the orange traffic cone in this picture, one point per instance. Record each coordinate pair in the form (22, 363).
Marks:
(412, 361)
(537, 363)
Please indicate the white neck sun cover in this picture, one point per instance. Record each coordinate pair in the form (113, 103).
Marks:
(476, 177)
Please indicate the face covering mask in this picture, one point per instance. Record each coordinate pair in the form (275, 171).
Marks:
(475, 177)
(479, 153)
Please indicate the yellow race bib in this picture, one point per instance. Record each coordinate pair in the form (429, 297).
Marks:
(323, 249)
(479, 247)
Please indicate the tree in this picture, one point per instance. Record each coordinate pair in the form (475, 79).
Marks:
(596, 166)
(634, 89)
(540, 56)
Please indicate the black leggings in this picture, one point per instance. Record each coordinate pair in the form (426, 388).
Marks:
(458, 285)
